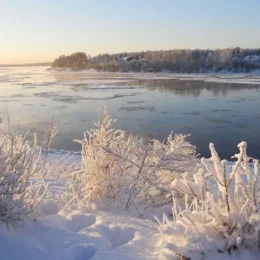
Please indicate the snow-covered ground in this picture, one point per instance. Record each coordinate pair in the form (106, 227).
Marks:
(92, 232)
(88, 233)
(76, 235)
(252, 78)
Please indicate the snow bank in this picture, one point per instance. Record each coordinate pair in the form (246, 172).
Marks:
(252, 78)
(77, 235)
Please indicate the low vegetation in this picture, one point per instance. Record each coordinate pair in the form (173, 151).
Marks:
(218, 210)
(215, 203)
(120, 168)
(19, 163)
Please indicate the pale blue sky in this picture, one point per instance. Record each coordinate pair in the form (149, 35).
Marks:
(40, 30)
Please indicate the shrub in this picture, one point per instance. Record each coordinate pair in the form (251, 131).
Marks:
(219, 210)
(19, 161)
(117, 167)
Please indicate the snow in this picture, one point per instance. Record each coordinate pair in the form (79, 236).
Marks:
(77, 235)
(252, 78)
(25, 76)
(251, 58)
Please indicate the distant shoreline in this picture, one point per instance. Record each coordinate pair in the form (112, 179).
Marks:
(27, 64)
(176, 61)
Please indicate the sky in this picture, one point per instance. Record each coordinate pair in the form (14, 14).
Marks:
(40, 30)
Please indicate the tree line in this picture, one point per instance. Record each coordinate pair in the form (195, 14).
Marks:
(179, 60)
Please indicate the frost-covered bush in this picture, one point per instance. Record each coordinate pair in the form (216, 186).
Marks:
(117, 167)
(19, 161)
(219, 209)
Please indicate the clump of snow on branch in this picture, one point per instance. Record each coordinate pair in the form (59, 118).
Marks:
(117, 167)
(19, 162)
(218, 209)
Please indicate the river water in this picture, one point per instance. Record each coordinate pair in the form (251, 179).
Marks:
(220, 109)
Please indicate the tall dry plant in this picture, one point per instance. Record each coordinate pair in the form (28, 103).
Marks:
(117, 167)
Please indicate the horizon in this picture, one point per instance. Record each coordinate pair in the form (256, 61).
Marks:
(46, 30)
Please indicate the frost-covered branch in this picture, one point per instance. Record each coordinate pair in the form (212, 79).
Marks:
(117, 167)
(219, 209)
(19, 161)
